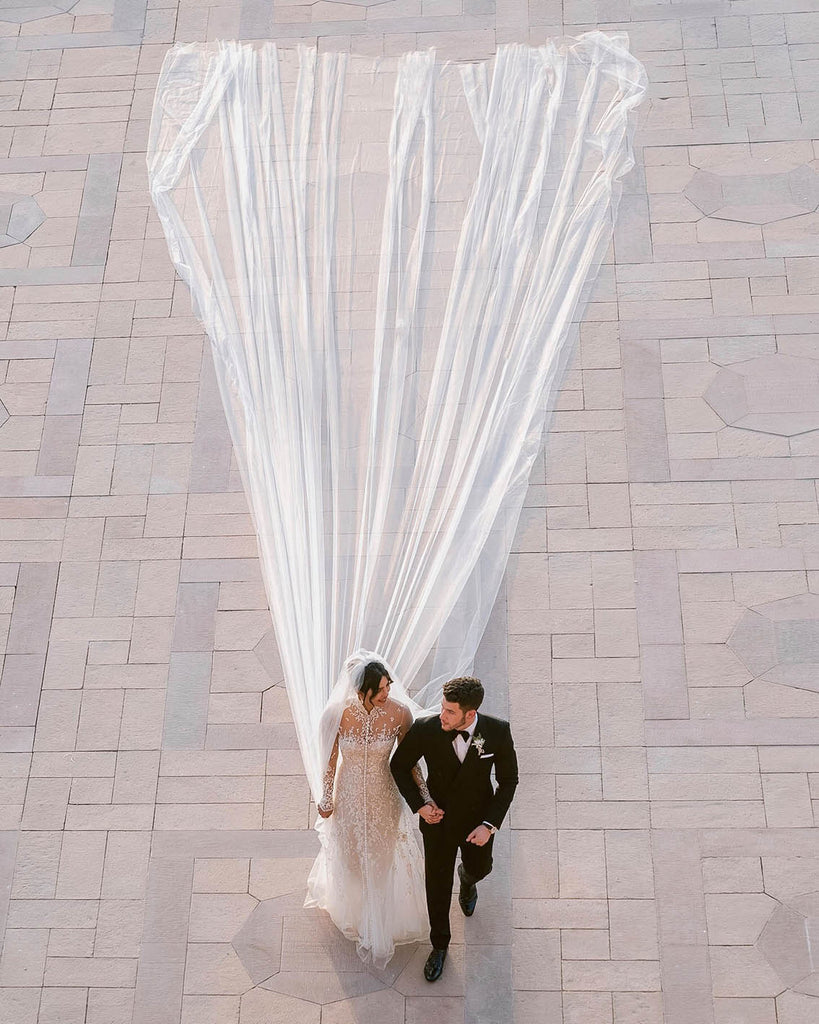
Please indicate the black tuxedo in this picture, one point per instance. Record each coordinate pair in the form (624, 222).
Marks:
(466, 794)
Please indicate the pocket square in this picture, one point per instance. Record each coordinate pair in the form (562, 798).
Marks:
(483, 757)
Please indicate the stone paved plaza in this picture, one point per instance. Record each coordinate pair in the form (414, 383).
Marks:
(659, 628)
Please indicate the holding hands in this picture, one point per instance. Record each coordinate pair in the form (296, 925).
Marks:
(431, 813)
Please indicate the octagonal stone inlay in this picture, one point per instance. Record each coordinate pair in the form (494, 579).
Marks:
(19, 11)
(288, 948)
(775, 394)
(19, 217)
(731, 193)
(781, 641)
(790, 943)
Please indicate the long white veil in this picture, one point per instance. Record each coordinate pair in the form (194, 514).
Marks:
(390, 257)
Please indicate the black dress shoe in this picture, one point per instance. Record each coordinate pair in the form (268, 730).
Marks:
(468, 895)
(434, 967)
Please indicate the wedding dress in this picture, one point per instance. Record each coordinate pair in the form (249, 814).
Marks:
(369, 874)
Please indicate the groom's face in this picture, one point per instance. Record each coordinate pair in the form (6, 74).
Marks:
(454, 717)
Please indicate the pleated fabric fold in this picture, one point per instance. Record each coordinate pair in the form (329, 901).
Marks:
(390, 258)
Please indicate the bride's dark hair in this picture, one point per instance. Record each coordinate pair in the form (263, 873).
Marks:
(374, 672)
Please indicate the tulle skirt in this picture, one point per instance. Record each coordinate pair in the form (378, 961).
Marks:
(375, 896)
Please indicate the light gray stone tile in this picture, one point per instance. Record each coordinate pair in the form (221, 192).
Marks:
(81, 862)
(34, 601)
(63, 1006)
(212, 448)
(66, 394)
(186, 707)
(125, 871)
(58, 444)
(762, 731)
(19, 1005)
(22, 678)
(632, 234)
(195, 623)
(255, 20)
(659, 618)
(665, 690)
(80, 40)
(24, 957)
(46, 803)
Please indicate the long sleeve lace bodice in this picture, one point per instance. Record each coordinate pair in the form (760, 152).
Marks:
(369, 873)
(377, 729)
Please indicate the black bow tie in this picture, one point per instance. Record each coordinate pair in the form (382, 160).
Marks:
(464, 733)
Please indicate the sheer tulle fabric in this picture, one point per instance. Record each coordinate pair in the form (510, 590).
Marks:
(389, 257)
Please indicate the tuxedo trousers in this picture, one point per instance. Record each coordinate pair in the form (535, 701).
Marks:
(440, 853)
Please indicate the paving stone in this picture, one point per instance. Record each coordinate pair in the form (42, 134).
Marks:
(36, 586)
(109, 1006)
(581, 864)
(35, 873)
(631, 1007)
(63, 1006)
(187, 701)
(387, 1006)
(46, 803)
(119, 928)
(210, 1009)
(19, 1005)
(71, 942)
(216, 917)
(536, 959)
(24, 957)
(158, 991)
(785, 800)
(125, 869)
(271, 878)
(81, 862)
(737, 918)
(428, 1010)
(100, 720)
(261, 1007)
(19, 695)
(99, 972)
(742, 971)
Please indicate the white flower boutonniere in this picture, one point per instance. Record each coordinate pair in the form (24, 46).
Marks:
(478, 742)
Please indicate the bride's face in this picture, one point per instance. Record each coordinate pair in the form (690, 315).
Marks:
(379, 699)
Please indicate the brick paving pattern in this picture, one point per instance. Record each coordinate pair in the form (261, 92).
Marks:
(659, 628)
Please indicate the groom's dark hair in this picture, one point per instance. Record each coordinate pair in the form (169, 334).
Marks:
(466, 691)
(374, 672)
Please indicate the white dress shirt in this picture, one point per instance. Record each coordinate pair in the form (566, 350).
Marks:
(460, 744)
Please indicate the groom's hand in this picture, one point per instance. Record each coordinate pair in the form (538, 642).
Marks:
(479, 836)
(431, 814)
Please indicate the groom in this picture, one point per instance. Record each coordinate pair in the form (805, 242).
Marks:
(465, 811)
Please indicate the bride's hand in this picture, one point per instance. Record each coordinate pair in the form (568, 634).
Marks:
(431, 813)
(325, 812)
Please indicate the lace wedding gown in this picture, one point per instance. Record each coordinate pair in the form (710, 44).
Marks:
(369, 874)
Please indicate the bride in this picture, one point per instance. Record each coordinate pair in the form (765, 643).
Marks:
(369, 874)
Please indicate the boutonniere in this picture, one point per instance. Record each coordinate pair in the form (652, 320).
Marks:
(478, 742)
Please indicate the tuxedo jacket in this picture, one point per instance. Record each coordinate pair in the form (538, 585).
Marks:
(463, 790)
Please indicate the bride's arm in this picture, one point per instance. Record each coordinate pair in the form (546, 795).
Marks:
(325, 806)
(417, 774)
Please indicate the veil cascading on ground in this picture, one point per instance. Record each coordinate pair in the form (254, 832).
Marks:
(390, 259)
